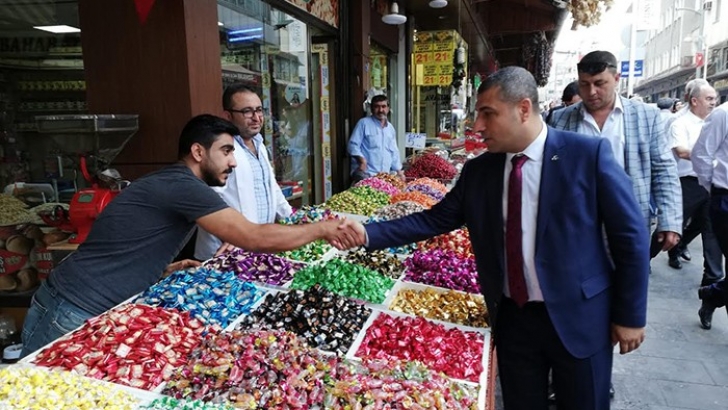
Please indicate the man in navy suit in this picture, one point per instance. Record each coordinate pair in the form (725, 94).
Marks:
(538, 206)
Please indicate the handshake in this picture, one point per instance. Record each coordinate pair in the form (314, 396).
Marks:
(344, 233)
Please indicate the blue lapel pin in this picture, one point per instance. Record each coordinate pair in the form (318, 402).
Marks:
(555, 158)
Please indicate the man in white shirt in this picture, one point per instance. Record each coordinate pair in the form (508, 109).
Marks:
(710, 162)
(684, 132)
(251, 188)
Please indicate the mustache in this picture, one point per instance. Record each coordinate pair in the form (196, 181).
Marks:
(229, 170)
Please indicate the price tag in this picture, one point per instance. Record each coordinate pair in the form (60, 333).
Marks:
(415, 140)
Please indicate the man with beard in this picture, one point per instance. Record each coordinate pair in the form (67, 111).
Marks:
(138, 234)
(251, 188)
(373, 144)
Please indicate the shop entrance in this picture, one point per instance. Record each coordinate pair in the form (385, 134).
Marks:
(323, 99)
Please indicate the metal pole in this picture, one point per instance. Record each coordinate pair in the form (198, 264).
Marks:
(632, 47)
(704, 37)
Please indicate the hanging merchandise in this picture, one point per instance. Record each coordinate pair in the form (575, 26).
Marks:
(536, 57)
(458, 70)
(587, 12)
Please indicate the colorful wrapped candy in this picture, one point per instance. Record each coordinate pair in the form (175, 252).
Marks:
(379, 185)
(169, 403)
(310, 252)
(345, 279)
(398, 210)
(309, 214)
(135, 345)
(455, 307)
(408, 338)
(378, 261)
(24, 388)
(261, 267)
(432, 166)
(396, 181)
(442, 268)
(214, 297)
(457, 241)
(426, 201)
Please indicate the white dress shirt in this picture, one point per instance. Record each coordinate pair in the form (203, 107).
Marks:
(613, 129)
(710, 153)
(531, 173)
(684, 132)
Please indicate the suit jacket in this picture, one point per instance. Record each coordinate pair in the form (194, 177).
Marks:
(583, 194)
(648, 159)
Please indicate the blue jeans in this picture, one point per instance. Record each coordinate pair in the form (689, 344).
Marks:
(50, 316)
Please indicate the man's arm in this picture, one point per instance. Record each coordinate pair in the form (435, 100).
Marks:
(711, 137)
(665, 184)
(232, 227)
(628, 241)
(679, 141)
(355, 142)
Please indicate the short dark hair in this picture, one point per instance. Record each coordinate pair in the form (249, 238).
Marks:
(232, 89)
(596, 62)
(570, 91)
(379, 98)
(665, 103)
(204, 130)
(514, 84)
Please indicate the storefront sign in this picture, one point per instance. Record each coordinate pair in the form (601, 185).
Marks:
(721, 84)
(325, 118)
(326, 10)
(433, 56)
(415, 140)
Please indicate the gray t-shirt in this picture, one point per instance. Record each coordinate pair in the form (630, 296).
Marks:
(134, 239)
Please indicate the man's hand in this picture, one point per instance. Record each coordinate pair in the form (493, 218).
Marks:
(668, 239)
(225, 248)
(180, 265)
(629, 338)
(357, 229)
(342, 234)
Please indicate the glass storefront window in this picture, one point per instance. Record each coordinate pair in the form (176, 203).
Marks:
(269, 50)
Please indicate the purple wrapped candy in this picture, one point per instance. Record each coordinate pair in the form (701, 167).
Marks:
(428, 190)
(257, 267)
(445, 269)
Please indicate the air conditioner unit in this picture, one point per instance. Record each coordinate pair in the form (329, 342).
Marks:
(708, 5)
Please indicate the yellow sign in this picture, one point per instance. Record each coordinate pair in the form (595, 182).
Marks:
(433, 56)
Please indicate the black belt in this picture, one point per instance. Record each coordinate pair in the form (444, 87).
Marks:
(718, 191)
(690, 177)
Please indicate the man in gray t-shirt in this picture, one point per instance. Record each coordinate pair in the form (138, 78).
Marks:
(141, 231)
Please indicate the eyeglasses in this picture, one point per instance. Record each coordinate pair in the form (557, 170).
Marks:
(593, 68)
(248, 112)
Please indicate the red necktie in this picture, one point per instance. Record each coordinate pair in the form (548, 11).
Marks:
(514, 234)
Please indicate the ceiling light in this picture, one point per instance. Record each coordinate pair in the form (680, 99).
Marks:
(438, 4)
(394, 17)
(58, 29)
(220, 24)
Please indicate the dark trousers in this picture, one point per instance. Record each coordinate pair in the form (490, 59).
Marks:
(528, 347)
(718, 294)
(697, 221)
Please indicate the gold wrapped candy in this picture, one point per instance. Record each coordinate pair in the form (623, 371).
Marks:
(455, 307)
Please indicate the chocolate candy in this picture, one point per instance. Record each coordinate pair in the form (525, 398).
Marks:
(260, 267)
(454, 352)
(451, 306)
(214, 297)
(378, 261)
(135, 345)
(442, 268)
(345, 279)
(325, 320)
(37, 388)
(398, 210)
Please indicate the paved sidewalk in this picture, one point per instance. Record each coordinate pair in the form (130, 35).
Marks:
(680, 366)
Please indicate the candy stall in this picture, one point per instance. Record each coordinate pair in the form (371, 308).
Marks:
(314, 328)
